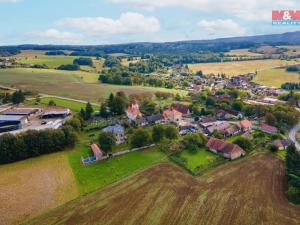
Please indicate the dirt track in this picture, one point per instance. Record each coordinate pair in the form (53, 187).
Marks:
(246, 192)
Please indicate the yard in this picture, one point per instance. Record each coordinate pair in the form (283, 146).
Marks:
(200, 160)
(239, 67)
(276, 77)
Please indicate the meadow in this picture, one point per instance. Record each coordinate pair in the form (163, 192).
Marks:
(32, 186)
(239, 67)
(276, 77)
(166, 194)
(72, 84)
(242, 52)
(72, 105)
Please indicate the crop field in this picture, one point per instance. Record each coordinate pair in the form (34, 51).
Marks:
(249, 191)
(72, 105)
(293, 50)
(239, 68)
(276, 77)
(50, 61)
(242, 52)
(77, 85)
(30, 187)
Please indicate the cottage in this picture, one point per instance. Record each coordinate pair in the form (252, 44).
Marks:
(268, 129)
(172, 115)
(245, 125)
(229, 150)
(118, 131)
(98, 154)
(133, 111)
(184, 109)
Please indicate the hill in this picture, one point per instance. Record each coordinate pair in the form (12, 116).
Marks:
(249, 191)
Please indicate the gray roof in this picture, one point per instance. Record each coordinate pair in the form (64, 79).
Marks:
(114, 129)
(11, 118)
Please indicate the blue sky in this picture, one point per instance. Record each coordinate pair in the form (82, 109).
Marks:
(123, 21)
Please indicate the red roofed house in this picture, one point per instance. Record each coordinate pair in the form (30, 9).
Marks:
(184, 109)
(245, 125)
(268, 129)
(172, 115)
(97, 151)
(229, 150)
(133, 111)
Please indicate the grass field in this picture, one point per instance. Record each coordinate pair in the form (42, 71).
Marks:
(77, 85)
(74, 106)
(242, 52)
(239, 68)
(30, 187)
(249, 191)
(201, 158)
(276, 77)
(92, 177)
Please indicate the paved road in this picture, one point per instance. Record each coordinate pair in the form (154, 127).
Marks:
(292, 136)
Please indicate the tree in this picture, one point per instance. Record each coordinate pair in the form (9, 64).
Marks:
(210, 101)
(104, 111)
(88, 111)
(18, 97)
(71, 136)
(270, 119)
(199, 73)
(51, 103)
(70, 67)
(237, 106)
(171, 132)
(193, 141)
(140, 137)
(82, 113)
(244, 143)
(107, 141)
(158, 133)
(148, 107)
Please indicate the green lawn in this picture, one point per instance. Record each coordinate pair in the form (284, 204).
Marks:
(281, 154)
(50, 61)
(74, 106)
(92, 177)
(201, 158)
(276, 77)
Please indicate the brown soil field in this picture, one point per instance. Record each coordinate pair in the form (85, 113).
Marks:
(245, 192)
(30, 187)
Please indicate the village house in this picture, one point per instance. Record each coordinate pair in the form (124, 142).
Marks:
(118, 131)
(133, 111)
(184, 109)
(268, 129)
(231, 131)
(228, 150)
(282, 144)
(98, 153)
(172, 115)
(245, 125)
(219, 126)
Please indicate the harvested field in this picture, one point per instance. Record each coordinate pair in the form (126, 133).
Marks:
(239, 67)
(71, 84)
(245, 192)
(30, 187)
(242, 52)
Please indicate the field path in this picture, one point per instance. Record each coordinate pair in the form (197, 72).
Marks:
(246, 192)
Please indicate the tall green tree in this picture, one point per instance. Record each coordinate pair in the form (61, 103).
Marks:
(107, 141)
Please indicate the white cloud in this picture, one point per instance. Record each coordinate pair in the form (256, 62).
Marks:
(244, 9)
(128, 23)
(224, 28)
(9, 1)
(55, 36)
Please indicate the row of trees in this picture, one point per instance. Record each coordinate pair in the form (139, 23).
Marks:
(34, 143)
(292, 166)
(16, 97)
(140, 137)
(291, 86)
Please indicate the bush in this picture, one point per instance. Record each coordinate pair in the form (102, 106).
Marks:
(171, 132)
(71, 67)
(107, 141)
(140, 137)
(244, 143)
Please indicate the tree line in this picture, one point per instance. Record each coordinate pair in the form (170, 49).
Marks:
(292, 167)
(33, 143)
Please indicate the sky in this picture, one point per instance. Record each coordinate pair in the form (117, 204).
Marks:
(123, 21)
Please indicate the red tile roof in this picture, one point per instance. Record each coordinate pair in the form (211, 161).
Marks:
(223, 146)
(268, 129)
(97, 151)
(245, 124)
(171, 113)
(184, 109)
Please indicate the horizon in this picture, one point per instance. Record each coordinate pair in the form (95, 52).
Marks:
(106, 22)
